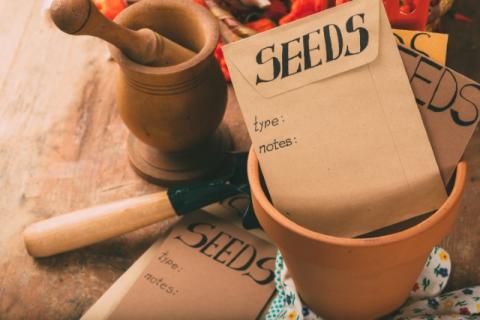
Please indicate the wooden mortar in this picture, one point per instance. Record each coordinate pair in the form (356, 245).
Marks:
(173, 112)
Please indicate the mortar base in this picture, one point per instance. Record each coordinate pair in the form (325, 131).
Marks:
(171, 168)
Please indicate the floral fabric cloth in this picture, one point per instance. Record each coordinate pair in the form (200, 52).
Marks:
(426, 298)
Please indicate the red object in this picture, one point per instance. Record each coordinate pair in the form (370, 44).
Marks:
(276, 10)
(412, 15)
(460, 17)
(303, 8)
(221, 61)
(201, 2)
(218, 53)
(464, 311)
(110, 8)
(261, 25)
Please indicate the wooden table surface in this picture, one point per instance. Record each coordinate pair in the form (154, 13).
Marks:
(62, 147)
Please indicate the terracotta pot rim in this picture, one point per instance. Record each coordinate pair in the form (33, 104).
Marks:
(253, 170)
(205, 19)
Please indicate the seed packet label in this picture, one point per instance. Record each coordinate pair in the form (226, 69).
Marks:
(207, 268)
(448, 102)
(334, 123)
(431, 44)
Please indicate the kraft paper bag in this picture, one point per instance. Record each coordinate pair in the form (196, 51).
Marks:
(228, 210)
(448, 102)
(207, 268)
(334, 123)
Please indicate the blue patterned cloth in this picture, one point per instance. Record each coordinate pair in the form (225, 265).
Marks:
(426, 298)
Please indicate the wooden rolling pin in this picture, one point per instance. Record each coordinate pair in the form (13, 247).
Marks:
(144, 46)
(87, 226)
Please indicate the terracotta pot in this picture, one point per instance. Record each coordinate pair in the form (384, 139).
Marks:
(342, 278)
(174, 112)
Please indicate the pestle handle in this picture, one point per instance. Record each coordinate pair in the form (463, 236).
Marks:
(144, 46)
(87, 226)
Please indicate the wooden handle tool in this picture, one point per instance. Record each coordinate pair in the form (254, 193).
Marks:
(87, 226)
(84, 227)
(144, 46)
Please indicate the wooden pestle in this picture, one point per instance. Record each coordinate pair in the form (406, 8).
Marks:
(144, 46)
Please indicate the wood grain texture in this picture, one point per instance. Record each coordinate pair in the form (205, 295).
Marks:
(87, 226)
(62, 148)
(144, 46)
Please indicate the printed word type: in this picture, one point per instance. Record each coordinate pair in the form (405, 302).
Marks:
(262, 125)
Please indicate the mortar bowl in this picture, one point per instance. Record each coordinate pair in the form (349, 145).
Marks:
(354, 278)
(173, 112)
